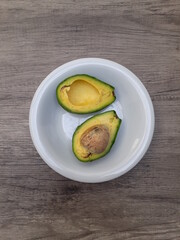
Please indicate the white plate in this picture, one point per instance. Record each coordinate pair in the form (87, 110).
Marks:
(51, 127)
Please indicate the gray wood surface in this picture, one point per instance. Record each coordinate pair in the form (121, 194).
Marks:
(36, 37)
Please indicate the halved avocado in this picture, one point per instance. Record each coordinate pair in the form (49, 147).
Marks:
(94, 138)
(84, 94)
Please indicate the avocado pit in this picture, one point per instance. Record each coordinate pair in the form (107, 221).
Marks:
(95, 139)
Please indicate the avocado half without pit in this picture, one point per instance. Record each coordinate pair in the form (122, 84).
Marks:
(84, 94)
(94, 138)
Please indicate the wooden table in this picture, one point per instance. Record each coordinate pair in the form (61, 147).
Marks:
(35, 38)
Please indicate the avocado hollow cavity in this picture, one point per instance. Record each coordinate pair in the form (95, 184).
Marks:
(88, 93)
(84, 94)
(94, 138)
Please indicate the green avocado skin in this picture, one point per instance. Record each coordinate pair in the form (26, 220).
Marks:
(84, 112)
(113, 139)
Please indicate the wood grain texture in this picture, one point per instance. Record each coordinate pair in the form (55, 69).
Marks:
(36, 37)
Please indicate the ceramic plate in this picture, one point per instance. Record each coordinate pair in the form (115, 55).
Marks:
(52, 127)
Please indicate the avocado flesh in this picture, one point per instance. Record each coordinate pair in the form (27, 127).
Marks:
(94, 138)
(84, 94)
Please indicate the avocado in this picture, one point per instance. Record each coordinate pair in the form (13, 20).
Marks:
(84, 94)
(94, 138)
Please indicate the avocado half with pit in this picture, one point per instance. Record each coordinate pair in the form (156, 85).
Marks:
(94, 138)
(84, 94)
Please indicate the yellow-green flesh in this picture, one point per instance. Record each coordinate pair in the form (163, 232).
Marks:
(84, 94)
